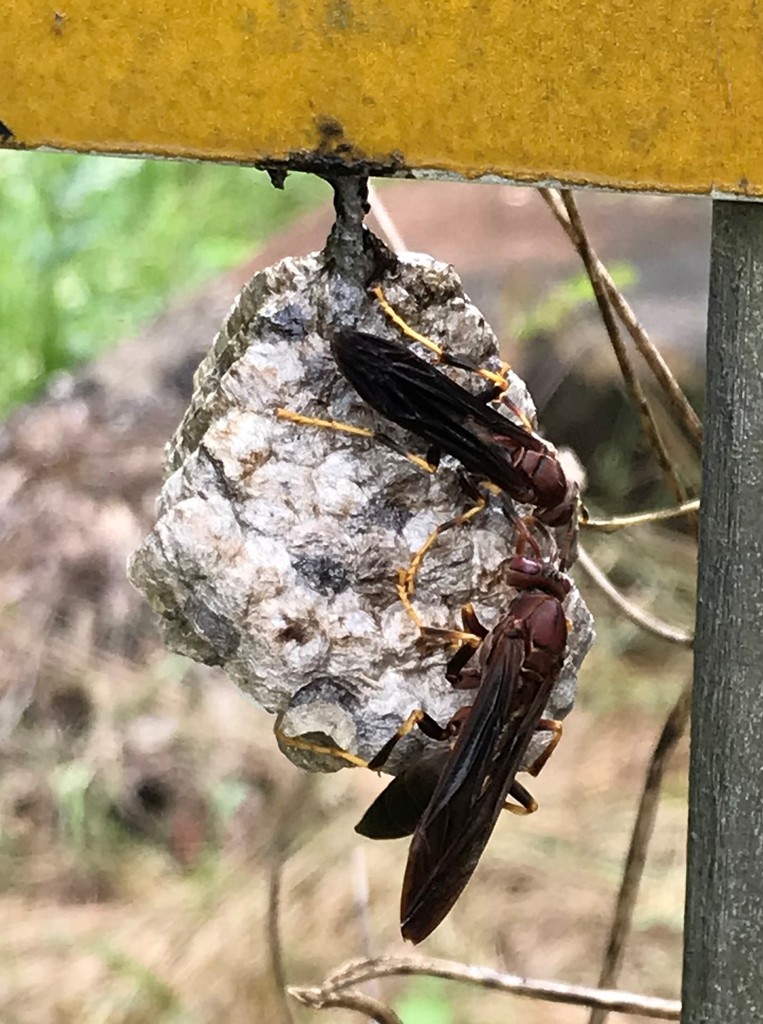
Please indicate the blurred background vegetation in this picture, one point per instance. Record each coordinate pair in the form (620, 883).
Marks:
(92, 247)
(144, 809)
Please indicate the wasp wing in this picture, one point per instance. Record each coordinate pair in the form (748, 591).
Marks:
(412, 393)
(397, 810)
(473, 786)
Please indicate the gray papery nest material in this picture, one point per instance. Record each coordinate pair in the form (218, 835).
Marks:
(276, 545)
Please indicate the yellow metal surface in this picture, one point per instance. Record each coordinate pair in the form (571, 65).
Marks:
(643, 94)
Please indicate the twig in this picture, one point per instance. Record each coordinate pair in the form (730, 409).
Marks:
(281, 841)
(360, 893)
(630, 378)
(644, 619)
(357, 971)
(352, 1000)
(672, 731)
(621, 522)
(275, 945)
(362, 908)
(653, 358)
(385, 221)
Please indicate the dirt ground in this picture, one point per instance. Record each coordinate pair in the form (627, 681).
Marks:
(104, 922)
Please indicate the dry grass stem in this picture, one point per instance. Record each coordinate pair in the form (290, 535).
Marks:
(685, 414)
(639, 518)
(282, 839)
(385, 221)
(275, 946)
(630, 378)
(643, 827)
(352, 1000)
(357, 971)
(641, 618)
(361, 900)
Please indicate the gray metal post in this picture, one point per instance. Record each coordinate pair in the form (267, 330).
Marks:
(723, 960)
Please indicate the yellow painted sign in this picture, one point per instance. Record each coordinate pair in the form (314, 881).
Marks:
(635, 94)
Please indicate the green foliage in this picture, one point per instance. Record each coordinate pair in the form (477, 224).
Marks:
(143, 994)
(70, 783)
(566, 298)
(92, 246)
(424, 1003)
(228, 797)
(86, 825)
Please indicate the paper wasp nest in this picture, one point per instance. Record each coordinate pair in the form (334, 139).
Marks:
(277, 545)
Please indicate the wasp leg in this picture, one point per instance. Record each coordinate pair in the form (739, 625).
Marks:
(444, 635)
(458, 675)
(524, 533)
(552, 726)
(463, 678)
(434, 454)
(496, 393)
(419, 718)
(317, 748)
(349, 428)
(525, 805)
(406, 584)
(443, 356)
(471, 623)
(406, 580)
(513, 408)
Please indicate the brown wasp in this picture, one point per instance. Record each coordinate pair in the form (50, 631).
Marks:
(451, 799)
(413, 393)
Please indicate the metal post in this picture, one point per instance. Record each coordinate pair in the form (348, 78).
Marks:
(723, 960)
